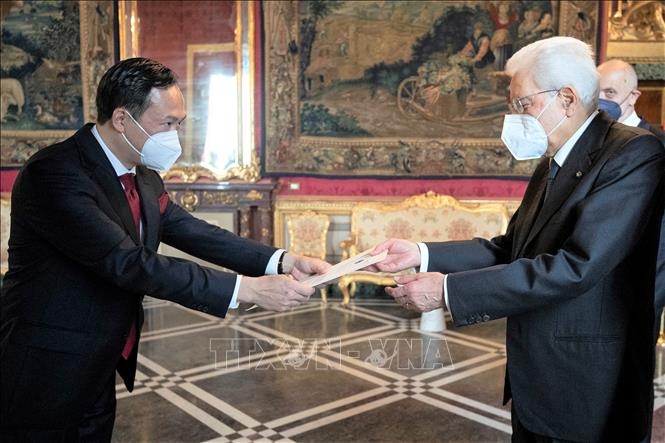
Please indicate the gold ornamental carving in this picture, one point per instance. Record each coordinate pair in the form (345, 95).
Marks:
(254, 195)
(194, 173)
(189, 200)
(637, 21)
(223, 198)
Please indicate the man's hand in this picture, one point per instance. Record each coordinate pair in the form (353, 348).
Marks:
(402, 254)
(274, 292)
(419, 292)
(301, 267)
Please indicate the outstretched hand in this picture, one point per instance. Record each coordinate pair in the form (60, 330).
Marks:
(402, 254)
(274, 292)
(301, 267)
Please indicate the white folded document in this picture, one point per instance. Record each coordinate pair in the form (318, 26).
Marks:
(342, 268)
(347, 266)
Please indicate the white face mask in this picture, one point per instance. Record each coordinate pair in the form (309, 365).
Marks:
(160, 151)
(524, 136)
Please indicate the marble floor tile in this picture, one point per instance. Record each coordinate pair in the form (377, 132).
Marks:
(320, 373)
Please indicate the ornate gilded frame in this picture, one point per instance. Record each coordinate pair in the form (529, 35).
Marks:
(288, 152)
(97, 52)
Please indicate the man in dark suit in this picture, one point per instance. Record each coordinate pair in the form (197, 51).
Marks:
(83, 252)
(618, 85)
(574, 273)
(618, 94)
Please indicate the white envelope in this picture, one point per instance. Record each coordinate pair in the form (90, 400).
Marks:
(342, 268)
(347, 266)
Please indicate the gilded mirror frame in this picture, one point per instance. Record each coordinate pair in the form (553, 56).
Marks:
(244, 163)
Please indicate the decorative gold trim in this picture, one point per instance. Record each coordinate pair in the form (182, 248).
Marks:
(189, 200)
(637, 21)
(254, 195)
(128, 28)
(195, 172)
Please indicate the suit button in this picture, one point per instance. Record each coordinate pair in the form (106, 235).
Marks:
(486, 317)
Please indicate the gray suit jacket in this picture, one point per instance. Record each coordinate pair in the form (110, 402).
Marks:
(575, 278)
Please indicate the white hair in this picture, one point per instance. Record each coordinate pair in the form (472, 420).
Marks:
(556, 62)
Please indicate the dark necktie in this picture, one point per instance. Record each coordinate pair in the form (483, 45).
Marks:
(554, 168)
(129, 182)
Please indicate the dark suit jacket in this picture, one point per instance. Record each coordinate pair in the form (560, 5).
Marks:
(660, 272)
(575, 279)
(78, 273)
(653, 129)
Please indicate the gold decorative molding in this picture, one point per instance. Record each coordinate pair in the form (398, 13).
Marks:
(223, 198)
(189, 200)
(254, 195)
(637, 21)
(196, 172)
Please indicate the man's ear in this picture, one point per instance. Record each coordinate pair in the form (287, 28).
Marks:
(119, 119)
(570, 100)
(634, 95)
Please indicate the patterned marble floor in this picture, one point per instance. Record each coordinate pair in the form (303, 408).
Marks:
(320, 373)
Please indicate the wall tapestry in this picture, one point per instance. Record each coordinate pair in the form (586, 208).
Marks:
(53, 56)
(399, 88)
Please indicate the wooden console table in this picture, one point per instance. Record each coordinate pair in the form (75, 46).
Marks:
(249, 203)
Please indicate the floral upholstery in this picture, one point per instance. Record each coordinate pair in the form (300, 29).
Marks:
(426, 217)
(307, 233)
(307, 236)
(5, 207)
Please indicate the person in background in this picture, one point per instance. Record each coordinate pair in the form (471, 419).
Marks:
(574, 272)
(87, 217)
(618, 89)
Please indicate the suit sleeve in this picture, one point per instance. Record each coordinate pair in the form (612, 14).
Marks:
(69, 211)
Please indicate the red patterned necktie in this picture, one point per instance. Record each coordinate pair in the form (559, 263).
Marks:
(129, 182)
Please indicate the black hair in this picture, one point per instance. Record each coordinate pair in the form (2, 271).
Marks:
(128, 83)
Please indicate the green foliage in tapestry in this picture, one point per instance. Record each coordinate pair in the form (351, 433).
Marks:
(313, 11)
(448, 36)
(318, 120)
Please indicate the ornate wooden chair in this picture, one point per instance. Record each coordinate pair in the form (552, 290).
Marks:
(308, 232)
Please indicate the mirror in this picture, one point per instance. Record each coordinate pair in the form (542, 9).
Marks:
(211, 47)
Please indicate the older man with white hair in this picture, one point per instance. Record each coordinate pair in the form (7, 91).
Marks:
(574, 273)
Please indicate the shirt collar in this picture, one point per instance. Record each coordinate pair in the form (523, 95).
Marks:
(562, 154)
(119, 168)
(632, 120)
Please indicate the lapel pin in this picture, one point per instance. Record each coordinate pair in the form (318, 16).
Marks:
(578, 174)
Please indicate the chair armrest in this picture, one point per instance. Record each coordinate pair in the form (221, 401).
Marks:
(349, 246)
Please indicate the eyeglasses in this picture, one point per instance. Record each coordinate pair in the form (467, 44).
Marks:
(519, 104)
